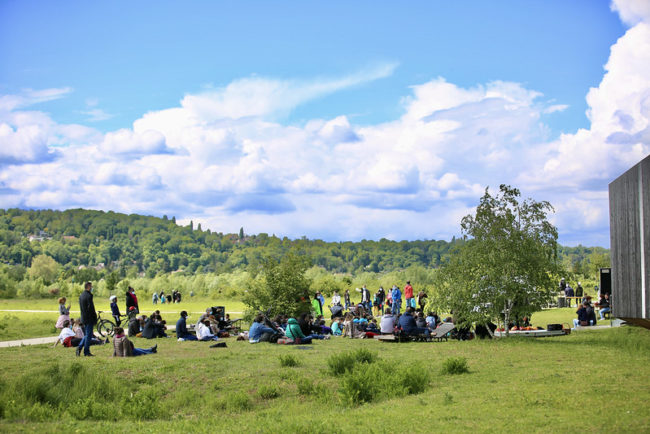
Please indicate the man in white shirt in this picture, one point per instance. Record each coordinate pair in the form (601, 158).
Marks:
(203, 332)
(336, 299)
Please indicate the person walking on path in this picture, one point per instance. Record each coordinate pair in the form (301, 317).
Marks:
(88, 318)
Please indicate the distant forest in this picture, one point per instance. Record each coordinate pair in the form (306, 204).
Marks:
(136, 245)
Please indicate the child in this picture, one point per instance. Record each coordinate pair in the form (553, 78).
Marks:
(64, 313)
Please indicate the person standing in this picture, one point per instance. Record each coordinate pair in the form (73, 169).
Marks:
(131, 300)
(336, 299)
(408, 295)
(154, 298)
(346, 299)
(365, 299)
(115, 310)
(396, 296)
(88, 318)
(579, 292)
(317, 305)
(381, 294)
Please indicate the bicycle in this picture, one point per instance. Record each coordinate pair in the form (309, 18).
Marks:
(106, 327)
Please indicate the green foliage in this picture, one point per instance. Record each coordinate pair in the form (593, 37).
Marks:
(506, 266)
(281, 288)
(45, 268)
(305, 386)
(455, 366)
(289, 361)
(268, 392)
(339, 364)
(238, 401)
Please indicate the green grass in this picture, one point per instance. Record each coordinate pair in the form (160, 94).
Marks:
(513, 385)
(25, 325)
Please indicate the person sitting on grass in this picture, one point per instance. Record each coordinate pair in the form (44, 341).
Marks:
(67, 337)
(387, 323)
(337, 326)
(204, 333)
(408, 325)
(153, 327)
(259, 332)
(294, 331)
(181, 329)
(123, 347)
(79, 335)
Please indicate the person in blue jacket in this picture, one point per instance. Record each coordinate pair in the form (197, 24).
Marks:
(259, 332)
(181, 329)
(408, 325)
(396, 295)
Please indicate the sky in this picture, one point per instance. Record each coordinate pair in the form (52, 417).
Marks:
(332, 120)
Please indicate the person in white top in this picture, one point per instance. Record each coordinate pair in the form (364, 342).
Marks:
(387, 324)
(336, 299)
(203, 332)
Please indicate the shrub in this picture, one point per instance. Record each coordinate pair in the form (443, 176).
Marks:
(413, 379)
(288, 360)
(238, 401)
(305, 386)
(268, 392)
(341, 363)
(455, 366)
(361, 385)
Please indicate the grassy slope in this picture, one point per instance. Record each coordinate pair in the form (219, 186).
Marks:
(595, 381)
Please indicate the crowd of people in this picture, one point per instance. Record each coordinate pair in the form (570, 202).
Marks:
(380, 314)
(586, 312)
(373, 315)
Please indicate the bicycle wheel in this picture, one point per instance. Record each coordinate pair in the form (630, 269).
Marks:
(105, 328)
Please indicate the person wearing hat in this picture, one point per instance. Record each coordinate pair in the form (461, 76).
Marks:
(115, 311)
(181, 329)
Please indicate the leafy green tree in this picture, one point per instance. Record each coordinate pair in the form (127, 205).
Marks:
(282, 287)
(504, 270)
(44, 267)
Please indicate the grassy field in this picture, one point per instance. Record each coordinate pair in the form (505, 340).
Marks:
(24, 325)
(593, 381)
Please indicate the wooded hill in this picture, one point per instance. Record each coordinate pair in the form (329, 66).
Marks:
(132, 244)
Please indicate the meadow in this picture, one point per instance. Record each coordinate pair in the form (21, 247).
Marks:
(591, 380)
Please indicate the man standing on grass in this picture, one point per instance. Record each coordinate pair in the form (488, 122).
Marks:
(408, 295)
(88, 318)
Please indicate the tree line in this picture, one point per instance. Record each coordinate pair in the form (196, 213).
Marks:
(77, 245)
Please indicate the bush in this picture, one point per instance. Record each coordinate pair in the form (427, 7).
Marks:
(305, 386)
(341, 363)
(288, 361)
(268, 392)
(238, 401)
(455, 366)
(361, 385)
(413, 379)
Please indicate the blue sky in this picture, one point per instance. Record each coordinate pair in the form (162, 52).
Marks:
(335, 120)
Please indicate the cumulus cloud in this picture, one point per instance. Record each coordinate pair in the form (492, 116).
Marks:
(632, 12)
(224, 157)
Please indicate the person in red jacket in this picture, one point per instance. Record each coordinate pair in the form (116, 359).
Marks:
(408, 295)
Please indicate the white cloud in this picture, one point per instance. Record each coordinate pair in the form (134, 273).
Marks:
(29, 97)
(632, 12)
(222, 156)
